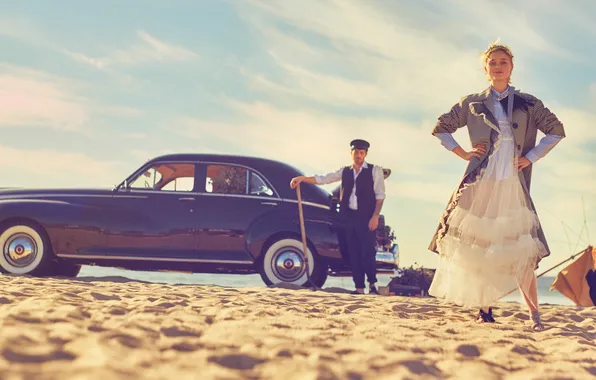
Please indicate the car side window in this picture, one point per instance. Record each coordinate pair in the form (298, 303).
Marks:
(177, 177)
(258, 186)
(226, 179)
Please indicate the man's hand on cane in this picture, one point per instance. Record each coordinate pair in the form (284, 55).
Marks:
(295, 181)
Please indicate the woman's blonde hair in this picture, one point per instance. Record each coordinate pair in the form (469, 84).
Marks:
(495, 46)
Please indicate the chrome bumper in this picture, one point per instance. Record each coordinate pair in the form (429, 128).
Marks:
(388, 259)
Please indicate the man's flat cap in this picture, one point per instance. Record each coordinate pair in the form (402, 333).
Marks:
(359, 144)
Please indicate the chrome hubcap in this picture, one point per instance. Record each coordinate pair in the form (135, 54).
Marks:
(20, 250)
(288, 264)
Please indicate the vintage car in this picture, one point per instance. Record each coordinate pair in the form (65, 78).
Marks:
(198, 213)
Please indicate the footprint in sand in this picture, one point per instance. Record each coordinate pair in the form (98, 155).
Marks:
(522, 316)
(175, 331)
(186, 347)
(17, 356)
(281, 326)
(105, 297)
(285, 353)
(419, 368)
(468, 350)
(576, 318)
(236, 361)
(118, 311)
(525, 350)
(503, 341)
(344, 351)
(5, 301)
(19, 294)
(96, 328)
(356, 307)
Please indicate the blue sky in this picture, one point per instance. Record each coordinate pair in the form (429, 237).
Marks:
(90, 90)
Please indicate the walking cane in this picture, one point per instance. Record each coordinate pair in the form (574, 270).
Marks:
(303, 234)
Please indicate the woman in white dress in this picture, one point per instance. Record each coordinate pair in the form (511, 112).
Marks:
(489, 238)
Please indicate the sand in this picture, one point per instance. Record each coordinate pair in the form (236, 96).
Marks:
(113, 328)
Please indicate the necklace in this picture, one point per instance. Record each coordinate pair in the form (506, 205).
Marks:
(503, 95)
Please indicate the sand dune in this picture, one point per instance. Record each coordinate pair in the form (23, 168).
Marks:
(110, 328)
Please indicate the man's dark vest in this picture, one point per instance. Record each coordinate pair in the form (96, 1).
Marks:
(365, 191)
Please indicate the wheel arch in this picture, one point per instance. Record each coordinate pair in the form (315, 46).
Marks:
(319, 236)
(14, 220)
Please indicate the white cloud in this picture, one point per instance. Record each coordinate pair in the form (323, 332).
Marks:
(371, 61)
(40, 167)
(31, 98)
(95, 62)
(368, 55)
(149, 50)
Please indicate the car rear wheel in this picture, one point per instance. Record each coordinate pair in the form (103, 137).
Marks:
(25, 250)
(283, 261)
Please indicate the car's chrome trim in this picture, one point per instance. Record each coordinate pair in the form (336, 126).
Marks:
(139, 258)
(240, 196)
(40, 196)
(308, 204)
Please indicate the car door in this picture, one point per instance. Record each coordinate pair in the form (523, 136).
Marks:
(232, 199)
(154, 217)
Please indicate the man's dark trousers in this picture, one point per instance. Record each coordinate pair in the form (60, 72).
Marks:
(362, 249)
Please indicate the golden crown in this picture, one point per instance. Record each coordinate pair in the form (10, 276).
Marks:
(497, 46)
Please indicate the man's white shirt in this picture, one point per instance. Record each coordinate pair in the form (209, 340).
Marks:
(378, 182)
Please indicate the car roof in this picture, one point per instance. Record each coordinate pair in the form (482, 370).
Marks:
(278, 172)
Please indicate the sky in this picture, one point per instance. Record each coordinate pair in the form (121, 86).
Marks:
(91, 90)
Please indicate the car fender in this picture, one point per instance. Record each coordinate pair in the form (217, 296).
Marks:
(318, 232)
(64, 222)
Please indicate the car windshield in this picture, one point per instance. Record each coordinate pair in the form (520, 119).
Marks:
(166, 177)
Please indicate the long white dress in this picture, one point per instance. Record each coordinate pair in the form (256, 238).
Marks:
(491, 246)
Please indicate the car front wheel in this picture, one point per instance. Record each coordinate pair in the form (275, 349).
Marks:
(283, 261)
(25, 250)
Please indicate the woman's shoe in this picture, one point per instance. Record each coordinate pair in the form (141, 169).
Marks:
(484, 317)
(537, 326)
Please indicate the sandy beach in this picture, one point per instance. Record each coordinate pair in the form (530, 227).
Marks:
(111, 328)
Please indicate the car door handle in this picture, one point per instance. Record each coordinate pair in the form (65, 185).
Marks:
(187, 199)
(269, 203)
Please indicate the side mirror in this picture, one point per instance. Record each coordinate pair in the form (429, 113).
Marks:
(124, 186)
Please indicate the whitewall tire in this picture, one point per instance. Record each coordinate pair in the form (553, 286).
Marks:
(24, 250)
(283, 261)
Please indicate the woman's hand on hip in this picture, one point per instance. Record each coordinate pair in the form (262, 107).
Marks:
(478, 151)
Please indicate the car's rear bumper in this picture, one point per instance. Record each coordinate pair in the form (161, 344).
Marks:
(387, 259)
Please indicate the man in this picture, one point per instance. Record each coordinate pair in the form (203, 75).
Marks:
(361, 199)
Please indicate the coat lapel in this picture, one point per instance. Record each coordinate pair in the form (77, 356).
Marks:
(485, 109)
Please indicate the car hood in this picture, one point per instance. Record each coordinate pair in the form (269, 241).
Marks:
(22, 193)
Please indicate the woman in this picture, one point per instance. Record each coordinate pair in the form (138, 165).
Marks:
(489, 238)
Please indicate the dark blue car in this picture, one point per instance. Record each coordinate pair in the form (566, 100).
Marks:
(198, 213)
